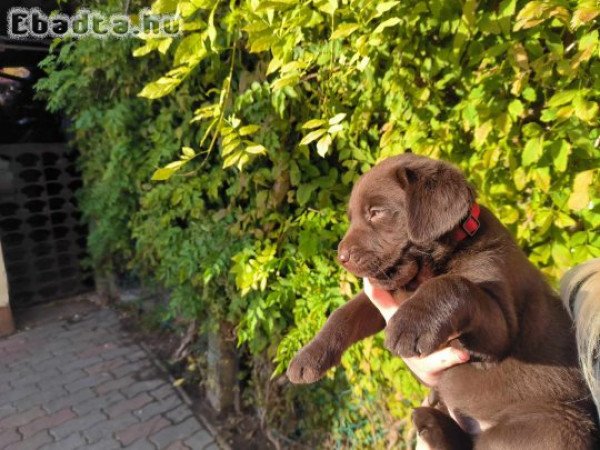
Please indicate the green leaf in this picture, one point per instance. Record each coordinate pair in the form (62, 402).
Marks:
(175, 165)
(585, 110)
(542, 179)
(277, 5)
(561, 98)
(211, 29)
(520, 178)
(335, 128)
(387, 24)
(308, 243)
(263, 43)
(285, 81)
(508, 214)
(543, 219)
(186, 9)
(274, 65)
(323, 145)
(363, 63)
(312, 136)
(328, 6)
(206, 112)
(384, 7)
(585, 13)
(255, 27)
(164, 6)
(313, 123)
(304, 192)
(192, 25)
(188, 152)
(344, 30)
(561, 151)
(164, 45)
(229, 135)
(532, 14)
(190, 50)
(533, 151)
(231, 160)
(580, 196)
(564, 220)
(148, 47)
(482, 131)
(561, 254)
(295, 175)
(230, 147)
(529, 94)
(515, 109)
(248, 130)
(159, 88)
(163, 174)
(256, 149)
(240, 165)
(548, 115)
(507, 8)
(337, 118)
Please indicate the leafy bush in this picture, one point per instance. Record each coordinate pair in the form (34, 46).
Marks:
(263, 115)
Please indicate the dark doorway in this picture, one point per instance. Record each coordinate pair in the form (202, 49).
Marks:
(42, 235)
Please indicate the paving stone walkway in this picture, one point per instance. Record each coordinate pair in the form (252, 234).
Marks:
(69, 385)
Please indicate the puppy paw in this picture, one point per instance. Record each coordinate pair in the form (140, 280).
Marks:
(439, 431)
(426, 422)
(310, 364)
(410, 335)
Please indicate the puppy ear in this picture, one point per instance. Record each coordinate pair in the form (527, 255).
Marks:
(406, 177)
(438, 197)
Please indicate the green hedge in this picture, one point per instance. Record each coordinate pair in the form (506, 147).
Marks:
(263, 114)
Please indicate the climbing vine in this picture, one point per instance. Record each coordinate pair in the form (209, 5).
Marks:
(218, 163)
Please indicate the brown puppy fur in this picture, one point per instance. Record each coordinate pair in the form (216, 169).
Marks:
(523, 388)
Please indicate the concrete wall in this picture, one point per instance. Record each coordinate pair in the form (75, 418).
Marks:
(6, 320)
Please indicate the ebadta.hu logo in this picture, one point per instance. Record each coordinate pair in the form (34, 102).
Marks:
(33, 23)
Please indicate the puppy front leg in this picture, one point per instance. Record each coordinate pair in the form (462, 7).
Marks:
(354, 321)
(438, 431)
(444, 308)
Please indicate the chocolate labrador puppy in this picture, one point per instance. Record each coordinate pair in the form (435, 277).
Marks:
(415, 225)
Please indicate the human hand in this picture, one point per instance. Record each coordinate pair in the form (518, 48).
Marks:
(383, 300)
(428, 368)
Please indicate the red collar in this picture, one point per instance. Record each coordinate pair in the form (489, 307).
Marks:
(470, 225)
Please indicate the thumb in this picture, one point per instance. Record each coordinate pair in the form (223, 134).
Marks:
(448, 357)
(378, 295)
(382, 300)
(368, 287)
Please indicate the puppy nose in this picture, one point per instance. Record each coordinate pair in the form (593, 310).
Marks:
(344, 256)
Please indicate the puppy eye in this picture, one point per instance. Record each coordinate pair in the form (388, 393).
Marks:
(375, 213)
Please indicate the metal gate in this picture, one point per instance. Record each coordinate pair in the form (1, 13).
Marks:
(42, 236)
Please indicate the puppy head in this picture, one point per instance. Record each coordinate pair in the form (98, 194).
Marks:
(404, 203)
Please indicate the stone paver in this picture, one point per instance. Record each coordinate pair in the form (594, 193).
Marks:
(167, 436)
(84, 385)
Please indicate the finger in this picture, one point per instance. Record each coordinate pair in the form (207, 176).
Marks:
(382, 297)
(423, 370)
(377, 295)
(436, 362)
(421, 444)
(445, 358)
(367, 287)
(429, 368)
